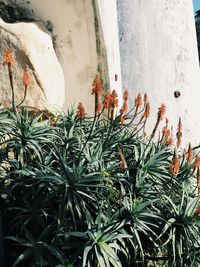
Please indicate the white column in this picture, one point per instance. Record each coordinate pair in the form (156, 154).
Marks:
(159, 56)
(109, 22)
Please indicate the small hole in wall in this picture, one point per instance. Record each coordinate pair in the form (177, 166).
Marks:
(116, 77)
(177, 94)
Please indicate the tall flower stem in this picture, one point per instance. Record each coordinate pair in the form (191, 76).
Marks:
(12, 87)
(25, 93)
(9, 61)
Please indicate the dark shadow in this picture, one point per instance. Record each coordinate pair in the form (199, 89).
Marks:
(197, 22)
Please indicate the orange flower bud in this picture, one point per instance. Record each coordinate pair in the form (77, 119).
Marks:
(138, 101)
(96, 86)
(169, 141)
(26, 79)
(161, 112)
(146, 111)
(114, 98)
(80, 111)
(8, 58)
(146, 100)
(107, 100)
(175, 165)
(126, 95)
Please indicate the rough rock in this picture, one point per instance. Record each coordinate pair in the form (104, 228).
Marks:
(33, 50)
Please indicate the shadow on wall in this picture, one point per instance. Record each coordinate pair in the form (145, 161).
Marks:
(197, 22)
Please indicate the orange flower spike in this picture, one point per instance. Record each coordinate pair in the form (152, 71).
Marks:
(114, 94)
(126, 95)
(168, 133)
(113, 103)
(8, 58)
(106, 101)
(189, 154)
(146, 100)
(175, 165)
(26, 79)
(147, 111)
(96, 86)
(161, 112)
(80, 111)
(124, 108)
(196, 163)
(115, 100)
(138, 101)
(169, 141)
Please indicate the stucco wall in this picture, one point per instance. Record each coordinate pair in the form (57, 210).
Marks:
(159, 56)
(74, 30)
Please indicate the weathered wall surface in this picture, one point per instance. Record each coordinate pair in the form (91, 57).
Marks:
(159, 56)
(75, 29)
(109, 22)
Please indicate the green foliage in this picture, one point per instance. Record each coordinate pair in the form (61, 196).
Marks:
(66, 200)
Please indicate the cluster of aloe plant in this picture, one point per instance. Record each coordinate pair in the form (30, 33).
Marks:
(79, 191)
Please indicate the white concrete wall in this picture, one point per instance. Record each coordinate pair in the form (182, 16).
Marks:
(109, 22)
(159, 56)
(74, 28)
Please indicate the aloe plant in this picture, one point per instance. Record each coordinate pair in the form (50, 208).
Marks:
(96, 191)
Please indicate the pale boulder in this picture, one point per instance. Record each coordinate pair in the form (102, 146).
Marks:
(33, 49)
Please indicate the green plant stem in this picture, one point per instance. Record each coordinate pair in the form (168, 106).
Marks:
(25, 93)
(12, 87)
